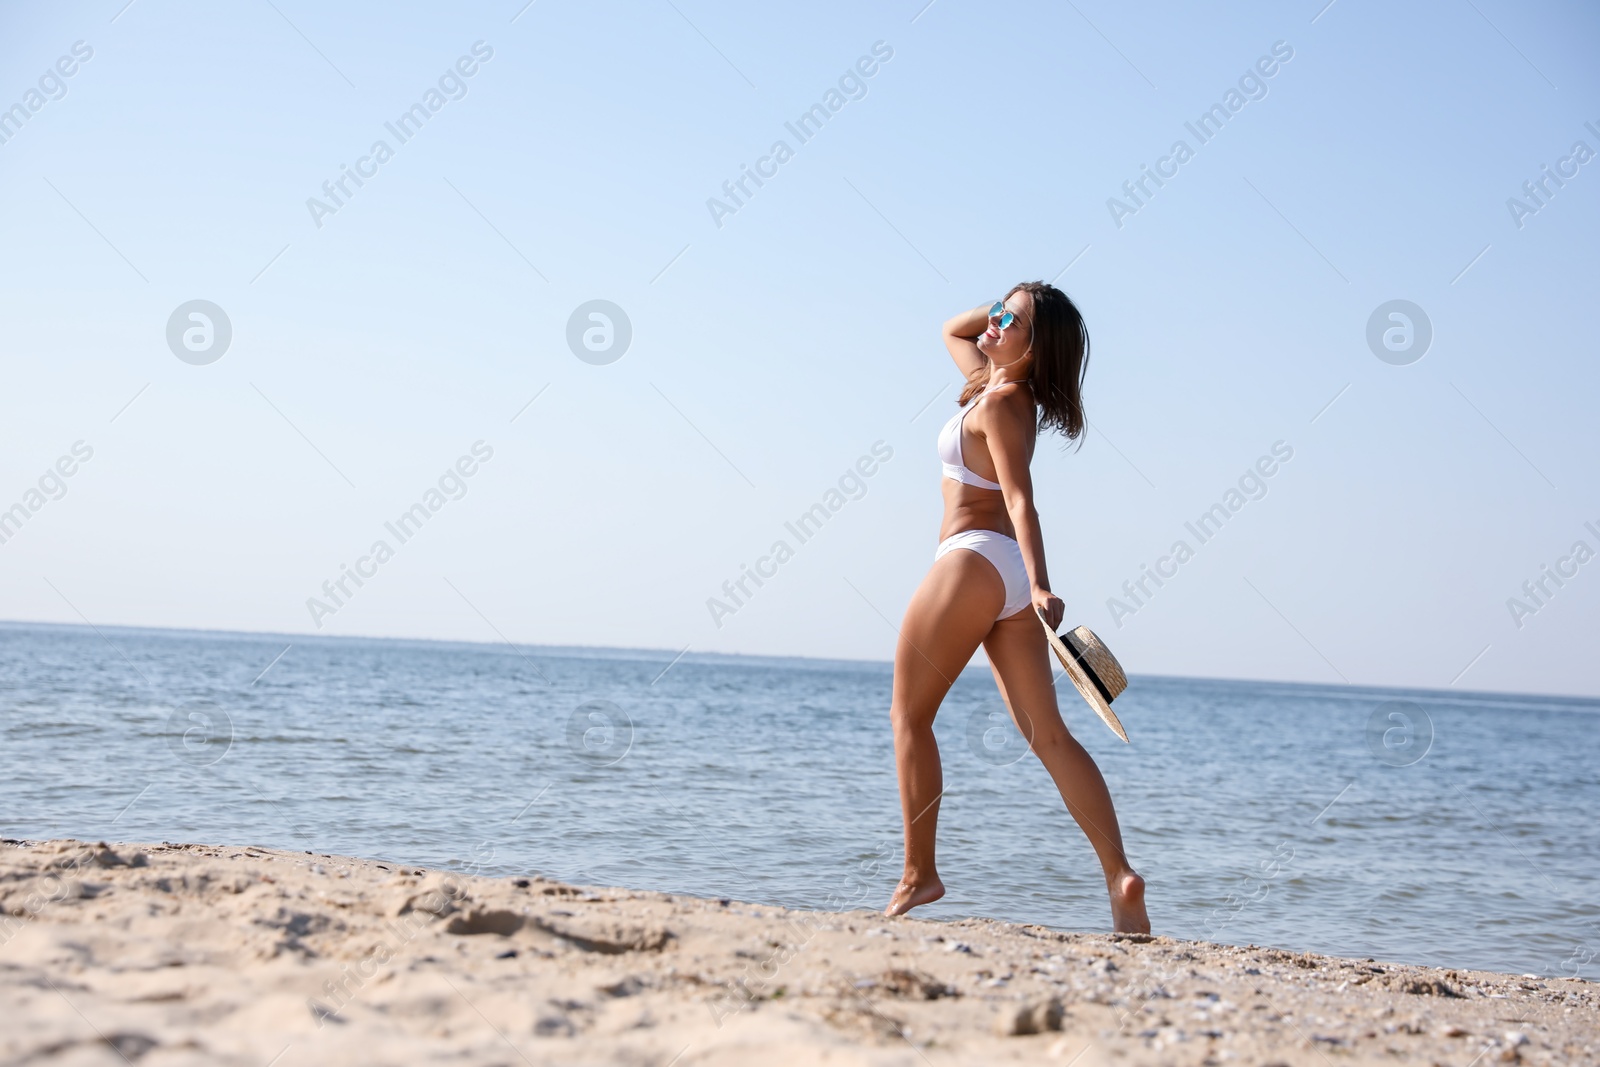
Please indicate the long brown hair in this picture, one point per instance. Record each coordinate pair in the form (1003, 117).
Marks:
(1060, 360)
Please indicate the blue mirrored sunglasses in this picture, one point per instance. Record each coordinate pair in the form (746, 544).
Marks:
(998, 310)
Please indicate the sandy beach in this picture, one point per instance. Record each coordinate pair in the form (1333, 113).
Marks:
(163, 954)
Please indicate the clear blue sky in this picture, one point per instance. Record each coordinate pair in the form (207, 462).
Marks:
(770, 352)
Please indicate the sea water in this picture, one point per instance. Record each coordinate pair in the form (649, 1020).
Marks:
(1446, 828)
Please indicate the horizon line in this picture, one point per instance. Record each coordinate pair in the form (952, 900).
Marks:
(669, 653)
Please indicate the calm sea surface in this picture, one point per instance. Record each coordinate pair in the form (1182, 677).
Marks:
(1455, 829)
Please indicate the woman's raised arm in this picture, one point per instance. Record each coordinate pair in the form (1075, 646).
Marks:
(961, 338)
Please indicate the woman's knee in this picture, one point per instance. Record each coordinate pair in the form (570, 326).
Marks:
(907, 715)
(1052, 739)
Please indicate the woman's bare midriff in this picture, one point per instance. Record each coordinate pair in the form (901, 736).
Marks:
(968, 507)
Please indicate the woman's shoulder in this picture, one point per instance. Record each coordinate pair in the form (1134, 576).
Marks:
(1011, 403)
(1012, 396)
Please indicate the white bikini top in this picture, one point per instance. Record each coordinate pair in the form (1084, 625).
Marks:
(950, 450)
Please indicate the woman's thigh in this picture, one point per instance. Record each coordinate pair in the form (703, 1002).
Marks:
(948, 617)
(1019, 656)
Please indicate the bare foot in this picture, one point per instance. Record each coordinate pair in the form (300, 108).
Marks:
(1127, 905)
(908, 896)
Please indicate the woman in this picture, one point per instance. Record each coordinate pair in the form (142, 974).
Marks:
(1024, 361)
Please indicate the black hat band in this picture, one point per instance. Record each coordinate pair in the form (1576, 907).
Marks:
(1067, 643)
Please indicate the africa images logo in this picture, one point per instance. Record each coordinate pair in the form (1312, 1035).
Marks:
(451, 85)
(1399, 332)
(199, 332)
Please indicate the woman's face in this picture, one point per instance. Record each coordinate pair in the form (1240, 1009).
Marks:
(1008, 346)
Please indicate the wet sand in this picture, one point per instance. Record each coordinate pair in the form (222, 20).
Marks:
(198, 954)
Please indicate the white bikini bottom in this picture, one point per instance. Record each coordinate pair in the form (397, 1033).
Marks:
(1005, 554)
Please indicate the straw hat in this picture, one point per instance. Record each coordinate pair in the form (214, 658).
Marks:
(1093, 669)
